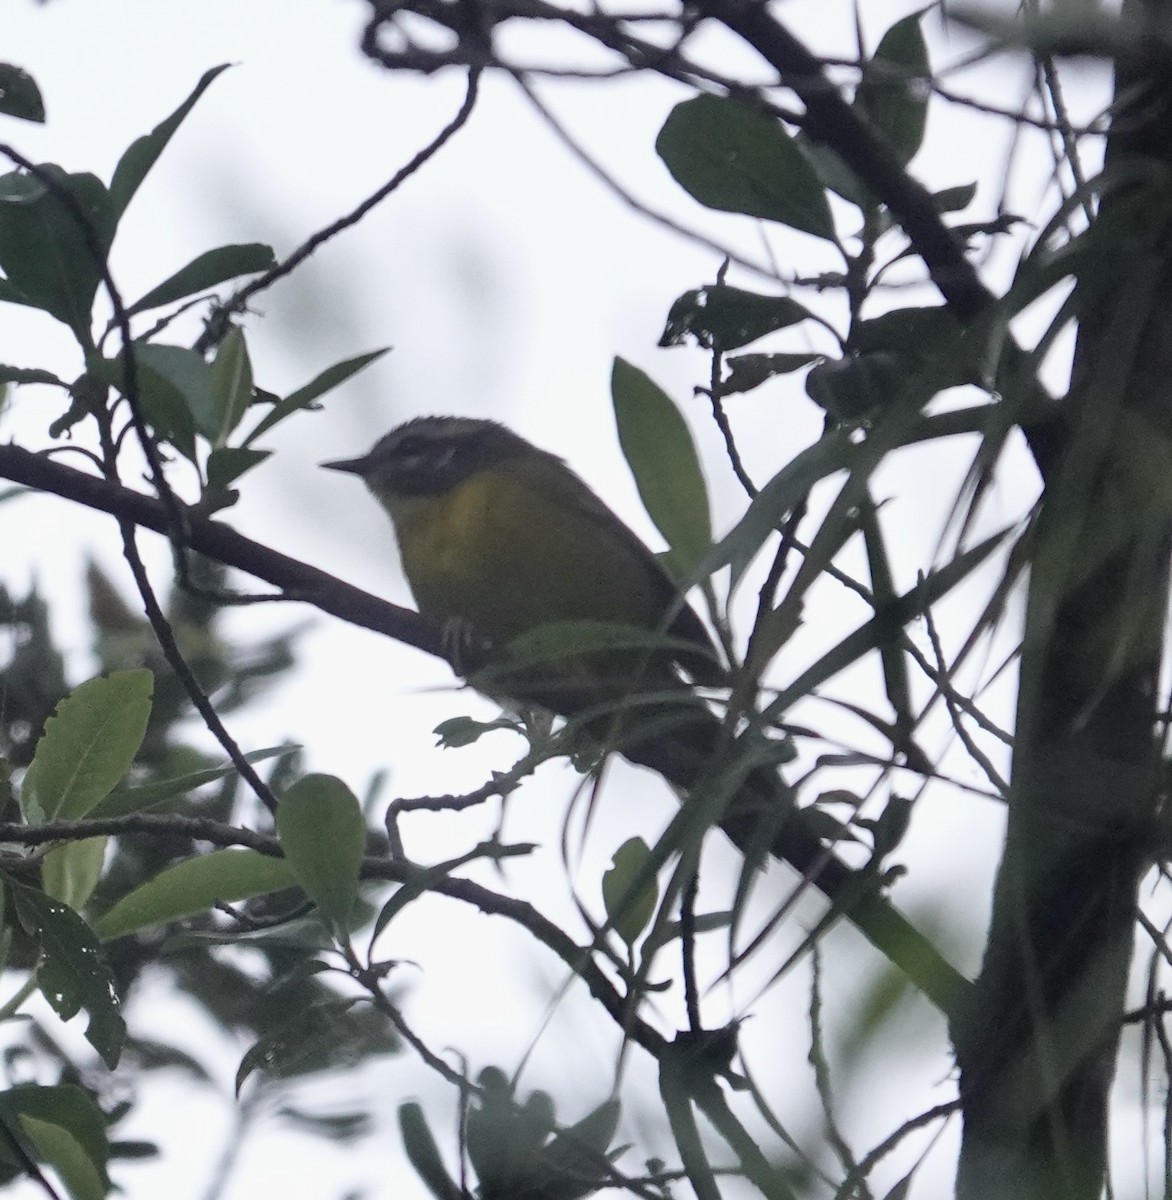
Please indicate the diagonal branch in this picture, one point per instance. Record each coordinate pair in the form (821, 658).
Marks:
(854, 893)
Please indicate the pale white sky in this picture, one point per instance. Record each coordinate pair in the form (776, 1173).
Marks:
(507, 279)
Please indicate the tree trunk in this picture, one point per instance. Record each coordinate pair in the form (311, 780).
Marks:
(1037, 1052)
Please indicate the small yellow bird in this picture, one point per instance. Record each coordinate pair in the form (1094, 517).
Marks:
(501, 539)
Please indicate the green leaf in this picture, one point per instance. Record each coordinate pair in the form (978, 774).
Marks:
(52, 250)
(294, 1048)
(725, 318)
(68, 1130)
(423, 1154)
(70, 873)
(10, 374)
(148, 795)
(19, 94)
(733, 158)
(630, 893)
(225, 466)
(71, 970)
(304, 397)
(742, 543)
(206, 271)
(747, 371)
(191, 378)
(874, 632)
(231, 385)
(850, 388)
(194, 885)
(143, 152)
(893, 92)
(88, 746)
(323, 834)
(954, 199)
(658, 447)
(575, 1161)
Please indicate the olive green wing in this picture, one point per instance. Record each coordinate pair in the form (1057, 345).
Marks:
(704, 666)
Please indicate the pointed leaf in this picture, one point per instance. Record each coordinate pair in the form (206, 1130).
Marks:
(304, 397)
(88, 746)
(143, 152)
(323, 834)
(193, 886)
(731, 157)
(148, 795)
(231, 384)
(208, 270)
(423, 1154)
(659, 449)
(893, 93)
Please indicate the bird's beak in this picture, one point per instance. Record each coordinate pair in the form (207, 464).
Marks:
(352, 466)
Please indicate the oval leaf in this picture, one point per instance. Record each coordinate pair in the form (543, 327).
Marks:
(88, 745)
(629, 890)
(733, 158)
(323, 834)
(892, 94)
(658, 447)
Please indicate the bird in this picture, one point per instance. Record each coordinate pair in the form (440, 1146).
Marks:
(501, 540)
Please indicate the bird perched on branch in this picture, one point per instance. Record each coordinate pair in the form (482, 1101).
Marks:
(505, 544)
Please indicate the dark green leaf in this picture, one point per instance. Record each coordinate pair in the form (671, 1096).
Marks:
(918, 333)
(733, 158)
(954, 199)
(227, 465)
(658, 447)
(189, 375)
(424, 1155)
(576, 1161)
(630, 893)
(19, 95)
(88, 746)
(893, 92)
(296, 1047)
(68, 1129)
(29, 375)
(457, 732)
(304, 397)
(147, 795)
(231, 388)
(323, 835)
(206, 271)
(143, 152)
(747, 371)
(742, 543)
(71, 970)
(194, 885)
(725, 318)
(860, 384)
(55, 231)
(872, 633)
